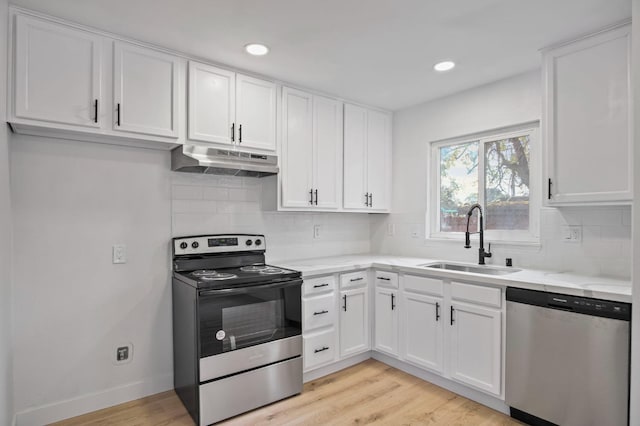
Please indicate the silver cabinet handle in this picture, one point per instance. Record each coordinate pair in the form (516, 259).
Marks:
(393, 301)
(356, 279)
(320, 312)
(345, 303)
(366, 199)
(437, 311)
(322, 349)
(384, 278)
(320, 285)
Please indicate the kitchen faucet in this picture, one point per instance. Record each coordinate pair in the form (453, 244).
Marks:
(467, 240)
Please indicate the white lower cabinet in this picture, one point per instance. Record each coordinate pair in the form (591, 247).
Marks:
(423, 331)
(386, 321)
(319, 349)
(354, 321)
(475, 351)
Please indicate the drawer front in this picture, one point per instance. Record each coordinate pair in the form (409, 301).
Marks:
(319, 312)
(489, 296)
(423, 285)
(353, 279)
(319, 349)
(318, 285)
(386, 279)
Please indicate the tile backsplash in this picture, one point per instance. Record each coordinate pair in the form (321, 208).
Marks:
(210, 204)
(604, 249)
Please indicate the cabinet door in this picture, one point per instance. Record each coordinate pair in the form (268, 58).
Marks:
(212, 94)
(588, 106)
(145, 91)
(57, 73)
(327, 152)
(354, 322)
(386, 323)
(476, 346)
(297, 148)
(423, 331)
(355, 170)
(379, 159)
(256, 113)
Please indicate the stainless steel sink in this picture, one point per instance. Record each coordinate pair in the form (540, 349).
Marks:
(486, 270)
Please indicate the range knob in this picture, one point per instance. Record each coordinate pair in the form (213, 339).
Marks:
(258, 242)
(249, 242)
(183, 245)
(195, 244)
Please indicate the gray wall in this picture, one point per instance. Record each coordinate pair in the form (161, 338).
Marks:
(6, 380)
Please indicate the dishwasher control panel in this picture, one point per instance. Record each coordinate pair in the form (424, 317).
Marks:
(577, 304)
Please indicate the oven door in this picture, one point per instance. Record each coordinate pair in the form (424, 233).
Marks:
(237, 318)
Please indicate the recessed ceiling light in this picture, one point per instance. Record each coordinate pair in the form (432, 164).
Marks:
(444, 66)
(256, 49)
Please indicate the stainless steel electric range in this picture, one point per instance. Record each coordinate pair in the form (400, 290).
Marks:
(237, 326)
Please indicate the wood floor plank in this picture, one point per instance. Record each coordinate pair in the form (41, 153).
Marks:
(369, 393)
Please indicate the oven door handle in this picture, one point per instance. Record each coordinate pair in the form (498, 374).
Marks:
(250, 288)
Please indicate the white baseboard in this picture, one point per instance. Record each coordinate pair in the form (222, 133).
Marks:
(336, 366)
(460, 389)
(91, 402)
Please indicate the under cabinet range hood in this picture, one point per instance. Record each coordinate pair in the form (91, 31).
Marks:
(216, 161)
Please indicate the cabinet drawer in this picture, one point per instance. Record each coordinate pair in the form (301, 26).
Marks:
(476, 294)
(317, 285)
(319, 349)
(386, 279)
(319, 312)
(423, 285)
(353, 279)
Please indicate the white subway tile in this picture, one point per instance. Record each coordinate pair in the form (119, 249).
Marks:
(186, 192)
(215, 193)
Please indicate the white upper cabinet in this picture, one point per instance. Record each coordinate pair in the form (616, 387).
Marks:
(587, 120)
(297, 148)
(145, 91)
(367, 159)
(256, 113)
(311, 177)
(211, 112)
(57, 73)
(379, 160)
(355, 151)
(327, 152)
(231, 109)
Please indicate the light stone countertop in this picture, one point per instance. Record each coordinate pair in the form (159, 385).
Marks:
(552, 281)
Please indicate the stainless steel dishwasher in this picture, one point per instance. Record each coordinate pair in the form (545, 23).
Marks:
(567, 359)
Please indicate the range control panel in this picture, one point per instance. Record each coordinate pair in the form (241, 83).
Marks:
(203, 244)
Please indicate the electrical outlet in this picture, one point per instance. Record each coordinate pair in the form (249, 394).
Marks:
(124, 353)
(416, 230)
(317, 231)
(572, 233)
(119, 253)
(391, 229)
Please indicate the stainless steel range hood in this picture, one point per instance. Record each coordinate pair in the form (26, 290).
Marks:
(209, 160)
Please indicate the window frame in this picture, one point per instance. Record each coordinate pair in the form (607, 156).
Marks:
(532, 235)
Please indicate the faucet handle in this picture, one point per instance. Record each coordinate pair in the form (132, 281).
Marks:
(467, 240)
(488, 252)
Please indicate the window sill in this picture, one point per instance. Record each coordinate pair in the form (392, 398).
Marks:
(531, 244)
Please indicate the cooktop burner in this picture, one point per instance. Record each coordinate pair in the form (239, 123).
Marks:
(270, 270)
(203, 272)
(218, 276)
(254, 268)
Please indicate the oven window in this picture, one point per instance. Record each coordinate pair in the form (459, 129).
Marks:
(237, 321)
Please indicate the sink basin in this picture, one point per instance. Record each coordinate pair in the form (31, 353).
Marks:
(486, 270)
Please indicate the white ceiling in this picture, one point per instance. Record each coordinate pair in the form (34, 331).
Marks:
(378, 52)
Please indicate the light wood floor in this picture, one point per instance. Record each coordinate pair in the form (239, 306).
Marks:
(367, 393)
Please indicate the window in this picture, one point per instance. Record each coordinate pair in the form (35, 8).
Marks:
(497, 171)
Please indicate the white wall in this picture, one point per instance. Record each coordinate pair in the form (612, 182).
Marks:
(606, 244)
(6, 380)
(71, 202)
(635, 273)
(72, 307)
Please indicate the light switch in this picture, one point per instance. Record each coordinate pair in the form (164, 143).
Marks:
(119, 253)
